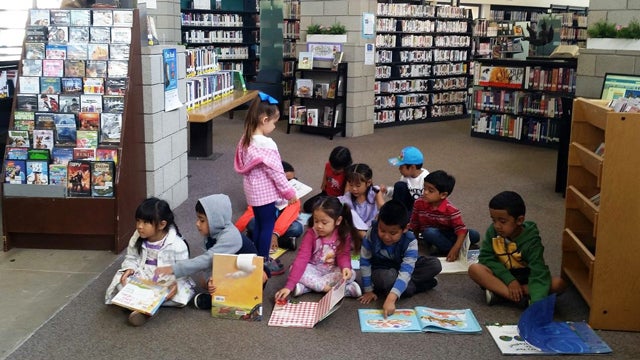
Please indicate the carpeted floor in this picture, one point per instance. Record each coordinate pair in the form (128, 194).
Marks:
(87, 329)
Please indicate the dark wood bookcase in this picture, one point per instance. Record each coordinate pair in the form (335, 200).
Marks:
(40, 216)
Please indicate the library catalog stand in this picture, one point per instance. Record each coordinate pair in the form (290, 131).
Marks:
(600, 246)
(42, 216)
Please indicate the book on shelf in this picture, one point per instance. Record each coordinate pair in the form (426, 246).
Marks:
(327, 116)
(297, 114)
(84, 154)
(18, 138)
(37, 172)
(312, 117)
(58, 174)
(306, 314)
(305, 60)
(502, 76)
(79, 178)
(141, 295)
(537, 334)
(102, 178)
(466, 257)
(304, 88)
(420, 319)
(238, 280)
(43, 139)
(14, 171)
(337, 59)
(16, 153)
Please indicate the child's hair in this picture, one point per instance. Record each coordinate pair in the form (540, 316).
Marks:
(441, 181)
(200, 208)
(510, 201)
(340, 158)
(393, 212)
(257, 109)
(331, 206)
(154, 211)
(358, 173)
(287, 167)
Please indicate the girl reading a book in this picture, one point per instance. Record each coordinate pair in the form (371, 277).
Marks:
(257, 159)
(156, 242)
(323, 258)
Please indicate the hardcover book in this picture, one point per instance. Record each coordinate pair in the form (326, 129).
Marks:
(141, 295)
(238, 280)
(307, 314)
(37, 172)
(420, 319)
(102, 176)
(87, 139)
(79, 178)
(312, 117)
(14, 171)
(58, 174)
(56, 51)
(74, 68)
(304, 88)
(305, 60)
(502, 76)
(43, 139)
(537, 333)
(110, 128)
(77, 52)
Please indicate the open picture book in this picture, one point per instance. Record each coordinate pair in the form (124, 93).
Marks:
(238, 280)
(301, 189)
(141, 295)
(420, 319)
(466, 257)
(307, 314)
(537, 334)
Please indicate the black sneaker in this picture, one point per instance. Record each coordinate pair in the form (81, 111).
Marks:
(202, 301)
(288, 243)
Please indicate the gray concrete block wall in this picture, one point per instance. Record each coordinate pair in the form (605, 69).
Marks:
(165, 132)
(167, 19)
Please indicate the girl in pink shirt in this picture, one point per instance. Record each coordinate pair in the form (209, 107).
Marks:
(324, 255)
(257, 159)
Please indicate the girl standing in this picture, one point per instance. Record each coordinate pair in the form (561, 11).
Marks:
(257, 159)
(323, 258)
(156, 242)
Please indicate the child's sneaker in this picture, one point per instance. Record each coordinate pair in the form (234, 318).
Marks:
(137, 318)
(491, 297)
(275, 267)
(299, 290)
(202, 301)
(352, 289)
(288, 243)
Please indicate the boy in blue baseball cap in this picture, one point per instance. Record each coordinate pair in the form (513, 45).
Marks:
(412, 174)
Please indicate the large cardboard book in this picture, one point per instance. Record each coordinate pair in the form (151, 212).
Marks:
(307, 314)
(537, 333)
(141, 295)
(420, 319)
(238, 280)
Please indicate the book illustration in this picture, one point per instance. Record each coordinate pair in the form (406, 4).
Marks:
(58, 174)
(119, 51)
(107, 154)
(304, 88)
(29, 84)
(102, 17)
(110, 128)
(38, 154)
(306, 314)
(537, 333)
(18, 138)
(77, 52)
(50, 85)
(305, 60)
(60, 17)
(102, 176)
(39, 17)
(312, 117)
(52, 67)
(87, 139)
(58, 34)
(118, 68)
(34, 51)
(61, 155)
(238, 280)
(141, 295)
(16, 153)
(37, 172)
(26, 102)
(42, 139)
(71, 85)
(91, 103)
(48, 103)
(420, 319)
(80, 17)
(14, 172)
(74, 68)
(55, 51)
(98, 52)
(32, 67)
(466, 257)
(113, 104)
(79, 178)
(100, 34)
(121, 35)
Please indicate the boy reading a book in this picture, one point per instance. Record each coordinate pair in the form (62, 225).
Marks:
(213, 221)
(389, 260)
(511, 263)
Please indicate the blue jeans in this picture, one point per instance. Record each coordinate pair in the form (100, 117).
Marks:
(265, 219)
(443, 240)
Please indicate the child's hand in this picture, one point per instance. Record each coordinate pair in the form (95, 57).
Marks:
(173, 290)
(515, 291)
(163, 270)
(293, 200)
(282, 294)
(454, 253)
(368, 297)
(346, 274)
(211, 287)
(389, 306)
(125, 276)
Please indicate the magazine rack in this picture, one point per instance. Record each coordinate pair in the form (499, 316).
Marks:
(39, 216)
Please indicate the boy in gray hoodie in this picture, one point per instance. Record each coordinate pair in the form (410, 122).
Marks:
(221, 236)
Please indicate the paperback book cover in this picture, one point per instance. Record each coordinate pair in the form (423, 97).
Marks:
(141, 295)
(79, 178)
(37, 172)
(14, 172)
(420, 319)
(58, 174)
(537, 333)
(238, 279)
(307, 314)
(102, 176)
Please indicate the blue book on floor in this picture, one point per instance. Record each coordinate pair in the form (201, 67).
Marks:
(420, 319)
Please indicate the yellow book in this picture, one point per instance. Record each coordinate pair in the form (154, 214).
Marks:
(238, 281)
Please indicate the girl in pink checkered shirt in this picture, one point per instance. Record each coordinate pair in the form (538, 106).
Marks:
(257, 159)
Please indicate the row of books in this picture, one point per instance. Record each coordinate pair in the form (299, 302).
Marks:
(291, 9)
(71, 102)
(567, 33)
(76, 51)
(518, 102)
(291, 29)
(419, 99)
(573, 19)
(416, 113)
(398, 86)
(201, 60)
(213, 36)
(75, 68)
(205, 88)
(516, 127)
(447, 110)
(421, 11)
(67, 126)
(232, 53)
(303, 115)
(528, 77)
(81, 17)
(209, 19)
(289, 48)
(306, 88)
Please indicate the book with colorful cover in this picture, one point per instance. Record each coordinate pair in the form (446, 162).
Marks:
(84, 154)
(18, 138)
(306, 314)
(79, 178)
(238, 280)
(102, 177)
(43, 139)
(537, 333)
(14, 172)
(39, 154)
(502, 76)
(37, 172)
(141, 295)
(87, 139)
(420, 319)
(61, 155)
(107, 154)
(16, 153)
(50, 85)
(58, 174)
